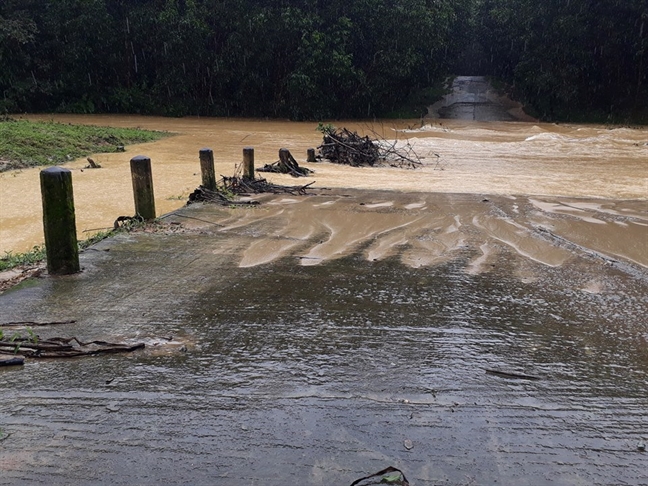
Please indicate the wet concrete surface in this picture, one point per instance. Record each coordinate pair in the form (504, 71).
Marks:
(316, 365)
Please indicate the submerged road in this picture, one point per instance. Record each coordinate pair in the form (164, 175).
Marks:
(473, 98)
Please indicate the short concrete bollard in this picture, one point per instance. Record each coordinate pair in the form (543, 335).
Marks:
(143, 187)
(59, 221)
(310, 155)
(207, 169)
(248, 163)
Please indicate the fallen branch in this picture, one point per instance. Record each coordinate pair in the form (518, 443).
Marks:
(15, 361)
(58, 347)
(286, 165)
(243, 186)
(202, 194)
(34, 324)
(92, 164)
(508, 374)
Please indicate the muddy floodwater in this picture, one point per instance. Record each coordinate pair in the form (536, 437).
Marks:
(459, 156)
(478, 321)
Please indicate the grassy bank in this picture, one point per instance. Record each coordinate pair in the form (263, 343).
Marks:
(36, 255)
(28, 144)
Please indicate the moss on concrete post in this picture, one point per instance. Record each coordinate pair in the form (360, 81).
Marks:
(248, 163)
(207, 169)
(59, 221)
(310, 155)
(143, 187)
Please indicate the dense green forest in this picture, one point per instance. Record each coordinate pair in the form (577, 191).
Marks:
(316, 59)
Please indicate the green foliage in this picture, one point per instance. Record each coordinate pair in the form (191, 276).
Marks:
(18, 338)
(417, 103)
(38, 254)
(31, 336)
(96, 238)
(25, 143)
(308, 59)
(302, 59)
(570, 60)
(392, 478)
(325, 128)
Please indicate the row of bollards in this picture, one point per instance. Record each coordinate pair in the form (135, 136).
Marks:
(59, 221)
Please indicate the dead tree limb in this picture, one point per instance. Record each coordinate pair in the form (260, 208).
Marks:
(58, 347)
(286, 165)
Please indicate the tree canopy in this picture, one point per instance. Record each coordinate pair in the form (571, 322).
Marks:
(569, 56)
(314, 59)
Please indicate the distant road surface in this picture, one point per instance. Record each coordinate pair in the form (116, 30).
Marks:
(473, 98)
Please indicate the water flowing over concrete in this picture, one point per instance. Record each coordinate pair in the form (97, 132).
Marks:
(315, 340)
(460, 157)
(473, 98)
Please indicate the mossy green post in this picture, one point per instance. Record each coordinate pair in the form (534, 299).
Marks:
(143, 187)
(59, 222)
(207, 169)
(248, 163)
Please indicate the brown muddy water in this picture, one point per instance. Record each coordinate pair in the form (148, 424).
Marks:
(485, 158)
(315, 340)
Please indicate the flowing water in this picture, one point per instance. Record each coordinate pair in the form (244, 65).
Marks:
(316, 340)
(518, 158)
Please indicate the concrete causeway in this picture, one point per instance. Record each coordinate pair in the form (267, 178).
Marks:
(316, 340)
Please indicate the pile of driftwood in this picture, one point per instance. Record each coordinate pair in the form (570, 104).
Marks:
(243, 186)
(343, 146)
(220, 196)
(227, 188)
(286, 165)
(230, 187)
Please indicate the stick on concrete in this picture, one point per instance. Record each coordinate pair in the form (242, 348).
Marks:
(207, 169)
(143, 187)
(59, 221)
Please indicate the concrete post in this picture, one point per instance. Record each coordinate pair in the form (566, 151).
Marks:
(310, 155)
(59, 221)
(207, 169)
(248, 163)
(143, 187)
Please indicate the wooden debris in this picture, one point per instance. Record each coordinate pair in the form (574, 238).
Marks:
(509, 374)
(202, 194)
(92, 164)
(286, 165)
(34, 324)
(15, 361)
(343, 146)
(58, 347)
(243, 186)
(121, 221)
(227, 188)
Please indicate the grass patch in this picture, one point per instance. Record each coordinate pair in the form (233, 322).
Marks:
(38, 254)
(12, 260)
(27, 144)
